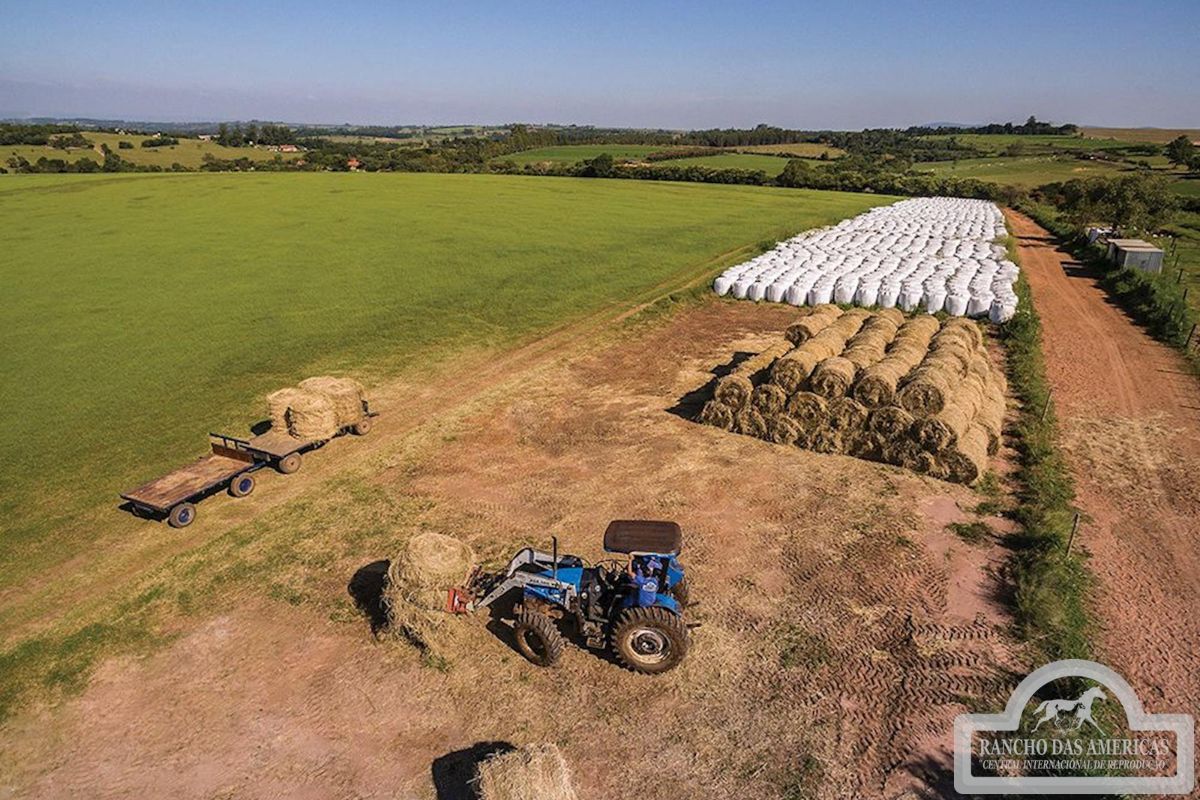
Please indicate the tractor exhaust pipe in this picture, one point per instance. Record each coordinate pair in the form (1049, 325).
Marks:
(554, 556)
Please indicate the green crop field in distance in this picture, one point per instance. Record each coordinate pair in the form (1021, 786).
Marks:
(189, 152)
(1138, 135)
(772, 165)
(998, 142)
(144, 310)
(572, 153)
(798, 149)
(1026, 171)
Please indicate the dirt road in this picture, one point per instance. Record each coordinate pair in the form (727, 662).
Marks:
(1130, 418)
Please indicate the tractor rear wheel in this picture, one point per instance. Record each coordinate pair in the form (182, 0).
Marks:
(650, 640)
(538, 639)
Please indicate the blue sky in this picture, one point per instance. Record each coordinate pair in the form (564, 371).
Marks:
(679, 65)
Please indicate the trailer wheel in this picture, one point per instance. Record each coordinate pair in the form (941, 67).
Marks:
(362, 427)
(650, 640)
(288, 464)
(181, 515)
(538, 639)
(241, 485)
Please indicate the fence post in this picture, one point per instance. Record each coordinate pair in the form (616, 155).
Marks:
(1074, 530)
(1191, 333)
(1046, 405)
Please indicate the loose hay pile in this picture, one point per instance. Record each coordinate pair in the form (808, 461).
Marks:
(318, 408)
(915, 393)
(533, 772)
(417, 583)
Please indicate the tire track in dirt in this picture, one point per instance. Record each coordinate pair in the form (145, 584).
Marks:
(1128, 411)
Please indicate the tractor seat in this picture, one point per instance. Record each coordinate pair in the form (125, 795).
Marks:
(630, 536)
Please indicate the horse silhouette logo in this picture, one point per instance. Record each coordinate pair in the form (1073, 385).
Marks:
(1011, 752)
(1077, 711)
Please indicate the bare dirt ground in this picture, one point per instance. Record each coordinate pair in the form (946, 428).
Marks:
(1130, 417)
(843, 627)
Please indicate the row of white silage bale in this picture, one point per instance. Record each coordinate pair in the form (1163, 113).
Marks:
(926, 254)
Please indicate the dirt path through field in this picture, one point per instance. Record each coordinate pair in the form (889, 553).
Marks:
(1130, 417)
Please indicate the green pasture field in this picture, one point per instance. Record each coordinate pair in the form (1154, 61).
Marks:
(772, 165)
(1026, 171)
(1188, 187)
(189, 152)
(144, 310)
(1136, 135)
(998, 142)
(572, 153)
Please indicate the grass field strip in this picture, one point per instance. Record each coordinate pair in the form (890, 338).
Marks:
(931, 253)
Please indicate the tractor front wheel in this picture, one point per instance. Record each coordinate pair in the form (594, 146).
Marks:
(650, 640)
(538, 639)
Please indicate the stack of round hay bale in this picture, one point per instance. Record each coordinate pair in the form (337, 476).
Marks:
(915, 392)
(317, 408)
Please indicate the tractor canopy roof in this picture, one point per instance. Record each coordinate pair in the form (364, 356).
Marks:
(643, 536)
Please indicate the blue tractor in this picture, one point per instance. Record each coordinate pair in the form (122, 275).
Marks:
(633, 605)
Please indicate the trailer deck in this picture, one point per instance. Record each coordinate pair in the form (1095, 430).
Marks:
(228, 465)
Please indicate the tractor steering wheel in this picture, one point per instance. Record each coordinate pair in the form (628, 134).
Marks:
(609, 570)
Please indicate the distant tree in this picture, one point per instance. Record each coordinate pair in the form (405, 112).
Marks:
(1130, 201)
(124, 145)
(600, 167)
(1180, 150)
(223, 134)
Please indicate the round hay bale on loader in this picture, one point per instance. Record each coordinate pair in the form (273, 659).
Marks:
(418, 578)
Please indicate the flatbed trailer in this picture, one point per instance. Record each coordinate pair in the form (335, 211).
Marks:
(229, 466)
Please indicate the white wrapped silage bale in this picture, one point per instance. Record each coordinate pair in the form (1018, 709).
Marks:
(741, 286)
(844, 289)
(956, 303)
(1002, 311)
(821, 292)
(980, 303)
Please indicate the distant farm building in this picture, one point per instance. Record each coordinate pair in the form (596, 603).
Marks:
(1135, 254)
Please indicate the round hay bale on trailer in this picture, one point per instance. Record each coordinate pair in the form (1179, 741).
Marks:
(311, 415)
(345, 394)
